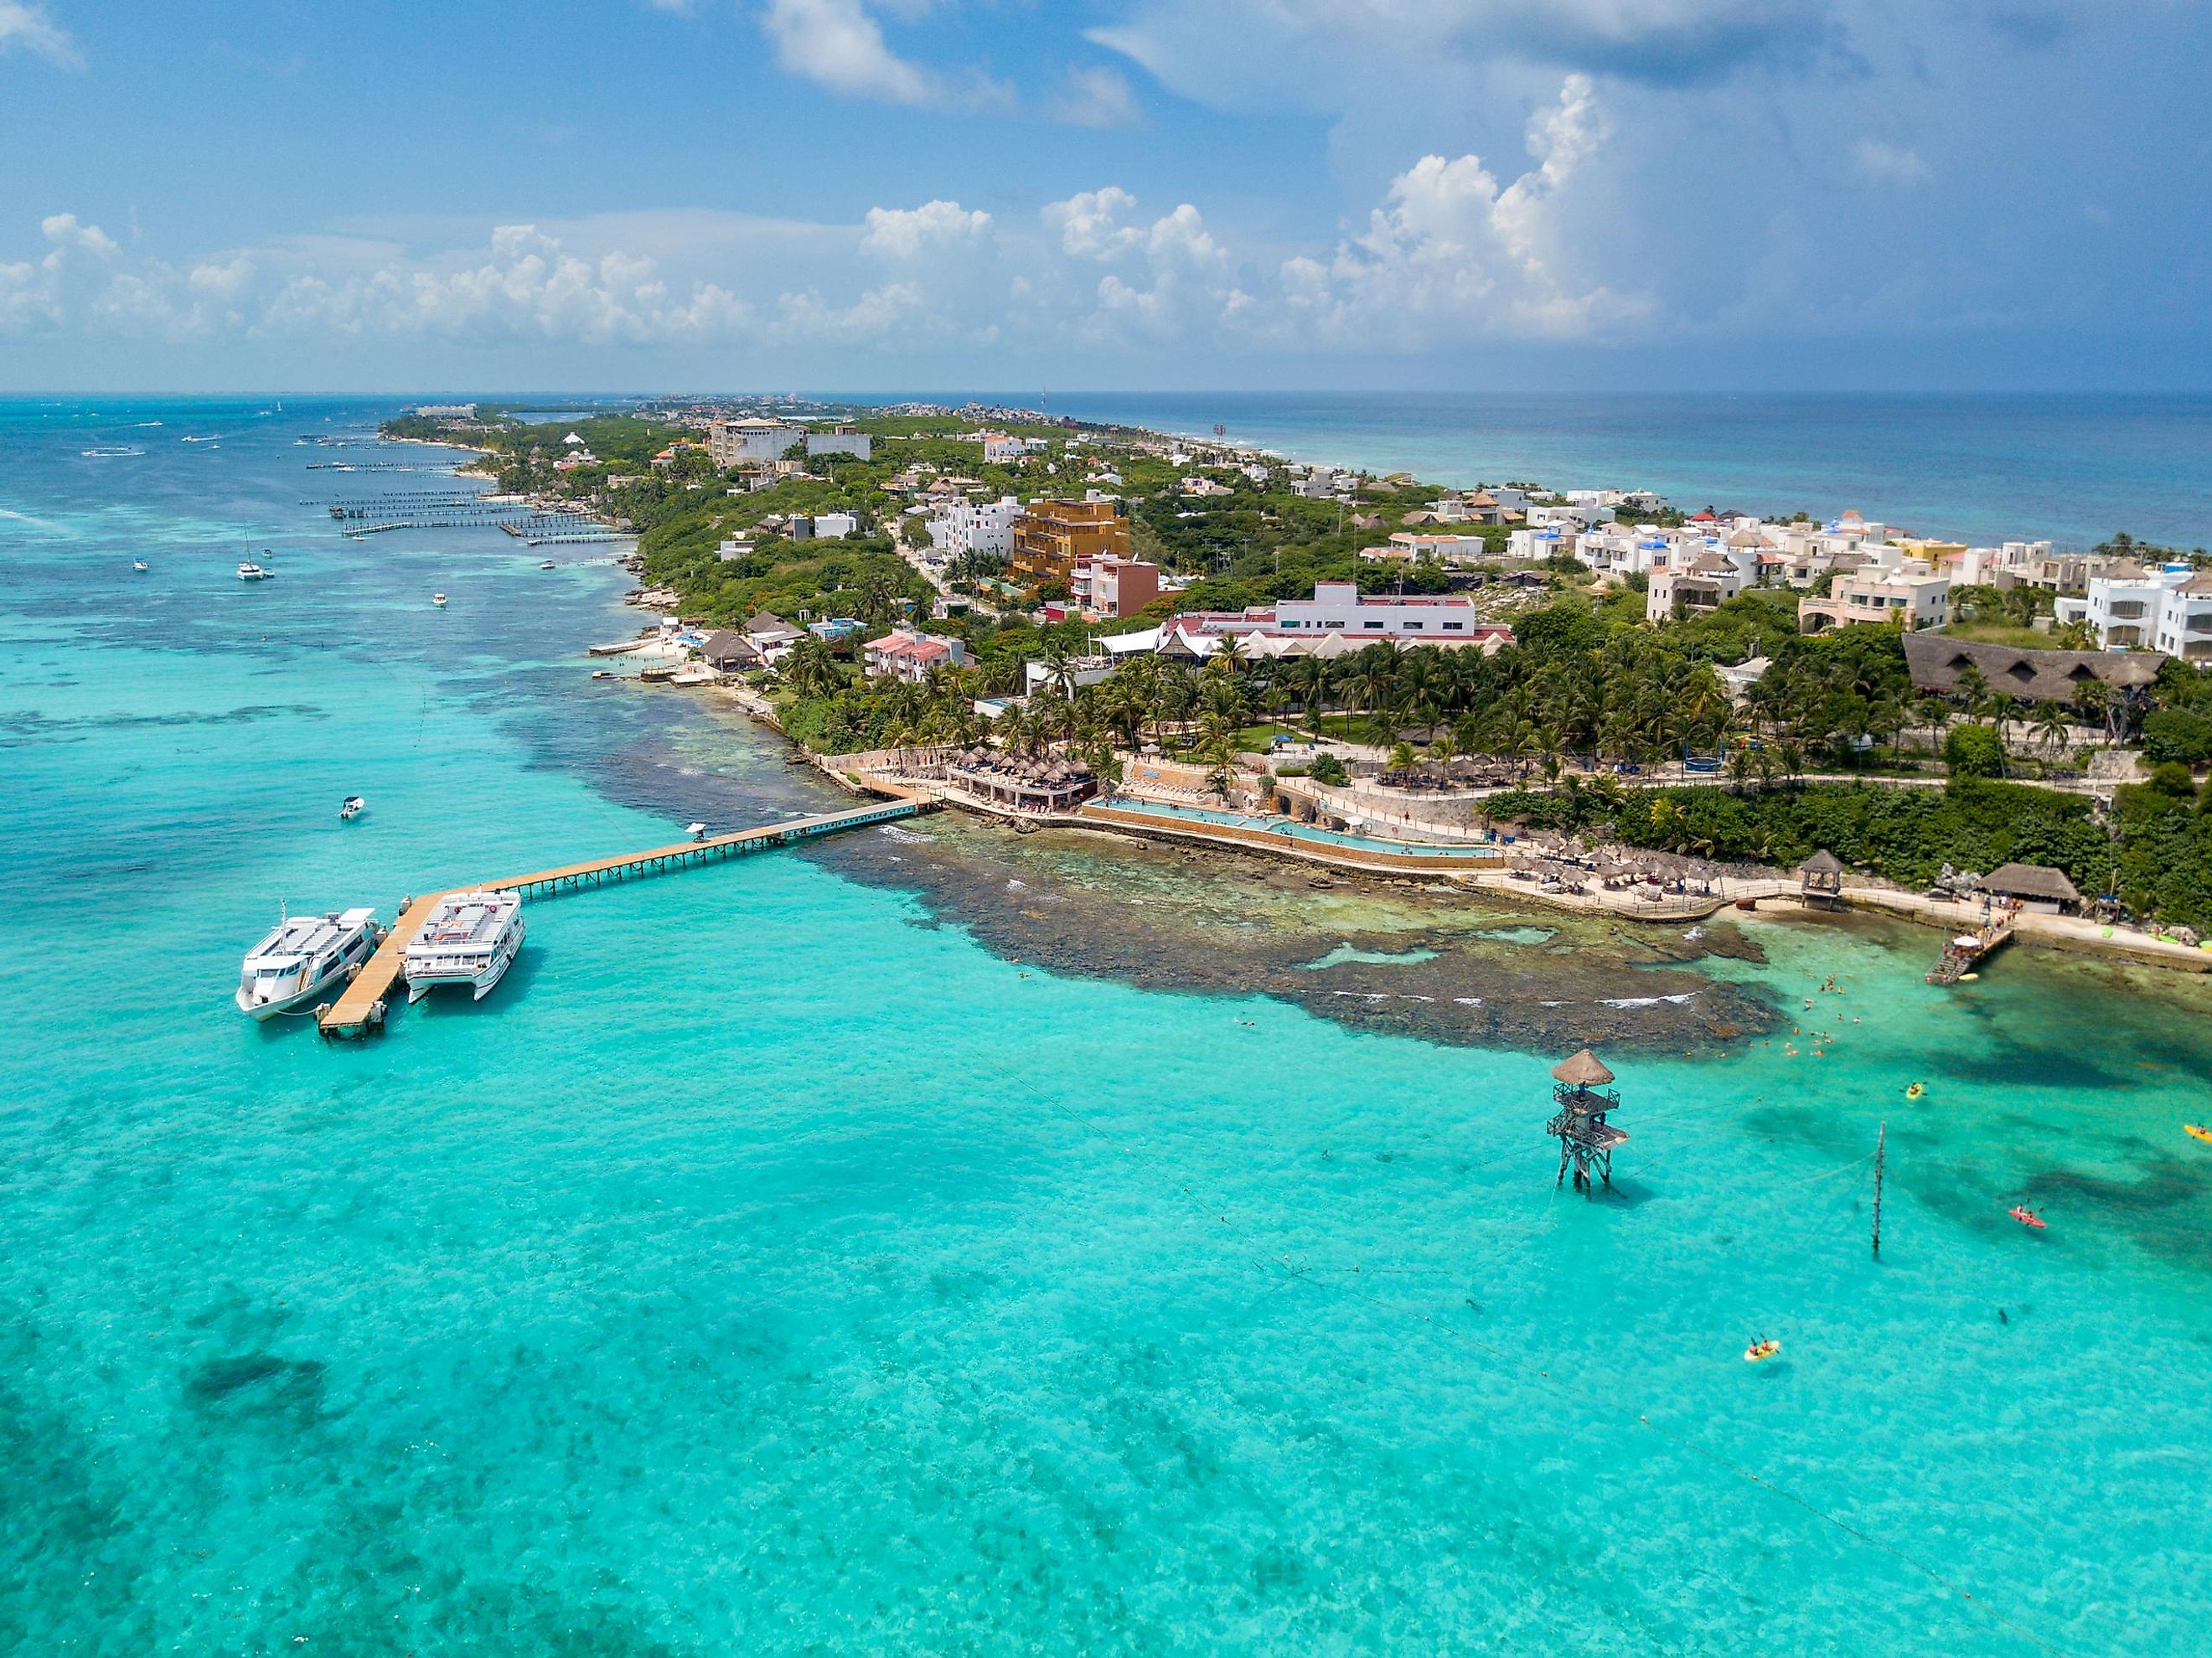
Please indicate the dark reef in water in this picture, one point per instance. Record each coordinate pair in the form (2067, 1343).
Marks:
(1469, 969)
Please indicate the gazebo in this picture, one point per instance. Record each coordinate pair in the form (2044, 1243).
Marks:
(1586, 1139)
(1820, 879)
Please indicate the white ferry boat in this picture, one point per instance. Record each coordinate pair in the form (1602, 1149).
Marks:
(306, 956)
(471, 938)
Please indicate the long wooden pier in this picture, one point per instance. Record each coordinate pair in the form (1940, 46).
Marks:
(367, 1001)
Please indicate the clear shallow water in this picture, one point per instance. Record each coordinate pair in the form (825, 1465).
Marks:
(766, 1267)
(2069, 469)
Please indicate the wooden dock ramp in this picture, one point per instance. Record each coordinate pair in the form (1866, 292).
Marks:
(361, 1008)
(368, 998)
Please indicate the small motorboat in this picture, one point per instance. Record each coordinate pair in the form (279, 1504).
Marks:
(353, 807)
(139, 565)
(439, 599)
(2027, 1217)
(2198, 1130)
(604, 673)
(546, 564)
(1762, 1350)
(696, 831)
(250, 571)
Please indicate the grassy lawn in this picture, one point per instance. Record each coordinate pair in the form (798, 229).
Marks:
(2001, 633)
(1257, 738)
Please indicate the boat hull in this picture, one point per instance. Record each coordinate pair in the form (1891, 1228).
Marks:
(260, 1010)
(479, 983)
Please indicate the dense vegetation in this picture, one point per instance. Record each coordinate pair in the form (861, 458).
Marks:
(1587, 680)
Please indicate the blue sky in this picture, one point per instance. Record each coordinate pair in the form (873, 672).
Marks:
(625, 194)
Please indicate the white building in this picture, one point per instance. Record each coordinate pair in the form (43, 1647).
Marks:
(999, 450)
(970, 526)
(835, 526)
(2168, 609)
(1699, 584)
(1339, 607)
(733, 442)
(842, 441)
(2185, 621)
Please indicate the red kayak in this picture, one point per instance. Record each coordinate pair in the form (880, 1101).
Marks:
(2028, 1217)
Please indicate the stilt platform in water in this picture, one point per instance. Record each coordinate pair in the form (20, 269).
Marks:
(367, 1001)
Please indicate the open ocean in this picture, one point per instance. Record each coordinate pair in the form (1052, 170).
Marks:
(2071, 469)
(767, 1266)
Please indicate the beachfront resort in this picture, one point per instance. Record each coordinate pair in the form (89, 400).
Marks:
(1589, 696)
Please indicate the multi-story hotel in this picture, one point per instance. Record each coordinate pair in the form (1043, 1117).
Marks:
(1052, 535)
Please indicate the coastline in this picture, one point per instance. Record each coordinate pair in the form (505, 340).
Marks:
(1778, 894)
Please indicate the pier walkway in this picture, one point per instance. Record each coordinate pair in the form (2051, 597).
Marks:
(366, 1001)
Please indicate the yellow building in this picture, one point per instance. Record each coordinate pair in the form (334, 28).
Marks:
(1052, 536)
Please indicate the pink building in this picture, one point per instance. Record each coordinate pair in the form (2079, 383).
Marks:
(908, 656)
(1110, 586)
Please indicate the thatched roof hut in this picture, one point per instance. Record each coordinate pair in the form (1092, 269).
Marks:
(1583, 1070)
(2032, 884)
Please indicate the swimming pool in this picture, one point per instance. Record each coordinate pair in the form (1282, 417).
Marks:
(1293, 831)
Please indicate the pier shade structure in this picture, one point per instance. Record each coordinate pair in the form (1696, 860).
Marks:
(1586, 1139)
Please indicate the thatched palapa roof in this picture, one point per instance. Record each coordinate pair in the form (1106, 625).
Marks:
(1822, 862)
(1584, 1070)
(2031, 881)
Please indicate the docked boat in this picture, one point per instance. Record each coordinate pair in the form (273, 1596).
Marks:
(352, 807)
(471, 938)
(304, 957)
(250, 571)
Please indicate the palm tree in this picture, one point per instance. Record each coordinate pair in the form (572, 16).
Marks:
(2093, 698)
(812, 671)
(2052, 722)
(1935, 713)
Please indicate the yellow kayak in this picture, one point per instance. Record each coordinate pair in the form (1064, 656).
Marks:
(1915, 1092)
(1760, 1350)
(2198, 1131)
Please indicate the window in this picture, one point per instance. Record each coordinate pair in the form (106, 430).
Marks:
(1373, 627)
(1414, 626)
(1454, 627)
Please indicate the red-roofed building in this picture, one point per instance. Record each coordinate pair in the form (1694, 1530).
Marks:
(907, 655)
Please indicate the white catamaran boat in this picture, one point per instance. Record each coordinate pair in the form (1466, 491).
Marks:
(250, 571)
(471, 938)
(306, 956)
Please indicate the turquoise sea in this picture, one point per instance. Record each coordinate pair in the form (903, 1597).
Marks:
(767, 1266)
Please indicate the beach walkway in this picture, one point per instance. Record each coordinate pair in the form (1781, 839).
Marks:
(367, 1001)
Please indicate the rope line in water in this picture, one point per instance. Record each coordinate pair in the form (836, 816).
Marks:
(1281, 1270)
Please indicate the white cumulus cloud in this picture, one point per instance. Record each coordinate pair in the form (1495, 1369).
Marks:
(27, 27)
(1451, 253)
(904, 233)
(837, 45)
